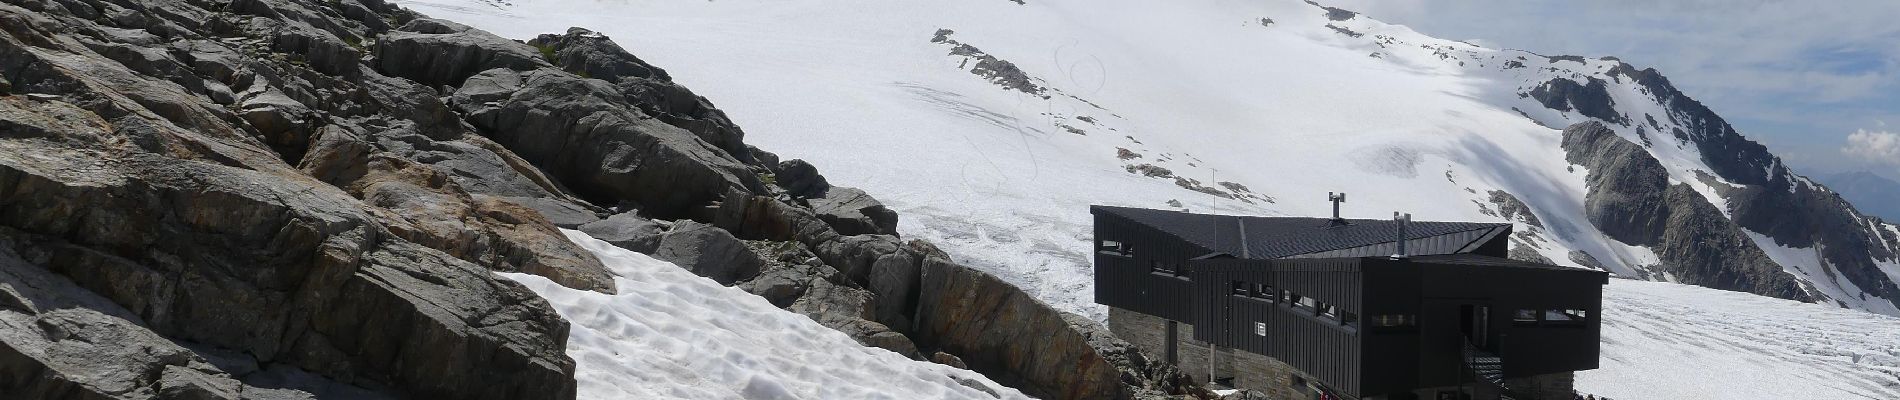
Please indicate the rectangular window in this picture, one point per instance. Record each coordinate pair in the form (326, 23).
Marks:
(1524, 316)
(1240, 288)
(1349, 319)
(1328, 311)
(1393, 320)
(1163, 268)
(1565, 316)
(1262, 291)
(1113, 248)
(1306, 302)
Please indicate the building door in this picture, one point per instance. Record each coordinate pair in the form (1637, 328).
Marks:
(1475, 320)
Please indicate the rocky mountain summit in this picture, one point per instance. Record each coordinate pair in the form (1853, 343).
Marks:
(300, 198)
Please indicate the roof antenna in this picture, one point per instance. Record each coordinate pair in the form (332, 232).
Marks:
(1336, 198)
(1402, 221)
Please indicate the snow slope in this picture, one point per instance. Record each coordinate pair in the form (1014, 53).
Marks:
(1669, 341)
(667, 333)
(1268, 103)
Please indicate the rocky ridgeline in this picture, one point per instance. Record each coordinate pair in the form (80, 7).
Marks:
(292, 199)
(1694, 239)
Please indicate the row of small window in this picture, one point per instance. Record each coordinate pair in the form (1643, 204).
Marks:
(1549, 316)
(1114, 248)
(1261, 291)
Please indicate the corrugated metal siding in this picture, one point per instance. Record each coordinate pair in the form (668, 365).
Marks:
(1128, 283)
(1319, 346)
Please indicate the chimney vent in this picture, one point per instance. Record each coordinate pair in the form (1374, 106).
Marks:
(1401, 221)
(1336, 198)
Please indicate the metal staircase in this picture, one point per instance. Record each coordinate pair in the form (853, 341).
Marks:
(1487, 370)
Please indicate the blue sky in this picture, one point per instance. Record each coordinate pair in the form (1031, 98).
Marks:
(1818, 82)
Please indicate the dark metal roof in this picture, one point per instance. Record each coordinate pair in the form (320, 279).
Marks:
(1458, 260)
(1283, 237)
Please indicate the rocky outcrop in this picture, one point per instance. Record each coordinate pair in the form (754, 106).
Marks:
(1592, 99)
(146, 152)
(590, 54)
(1631, 200)
(1010, 336)
(438, 53)
(585, 135)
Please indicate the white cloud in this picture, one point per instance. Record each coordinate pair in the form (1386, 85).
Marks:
(1874, 146)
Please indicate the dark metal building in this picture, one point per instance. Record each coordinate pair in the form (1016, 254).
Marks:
(1327, 298)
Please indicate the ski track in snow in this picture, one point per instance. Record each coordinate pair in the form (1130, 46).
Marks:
(669, 334)
(1400, 120)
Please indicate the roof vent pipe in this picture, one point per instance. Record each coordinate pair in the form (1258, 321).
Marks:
(1401, 222)
(1336, 198)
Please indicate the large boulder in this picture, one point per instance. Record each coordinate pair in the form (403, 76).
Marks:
(437, 53)
(708, 251)
(628, 231)
(593, 55)
(1010, 336)
(425, 206)
(852, 212)
(584, 135)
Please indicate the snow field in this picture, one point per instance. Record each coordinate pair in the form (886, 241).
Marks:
(669, 334)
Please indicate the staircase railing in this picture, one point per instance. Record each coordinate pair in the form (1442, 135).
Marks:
(1487, 370)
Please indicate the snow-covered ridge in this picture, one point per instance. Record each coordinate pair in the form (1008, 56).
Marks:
(669, 334)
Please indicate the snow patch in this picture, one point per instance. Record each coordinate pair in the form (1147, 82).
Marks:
(668, 334)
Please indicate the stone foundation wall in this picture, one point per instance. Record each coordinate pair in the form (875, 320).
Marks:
(1150, 333)
(1558, 386)
(1262, 375)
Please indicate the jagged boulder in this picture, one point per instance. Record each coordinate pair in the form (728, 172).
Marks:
(708, 251)
(584, 135)
(593, 55)
(1010, 336)
(852, 212)
(628, 231)
(438, 53)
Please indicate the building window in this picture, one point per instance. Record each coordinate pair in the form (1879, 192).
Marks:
(1305, 302)
(1328, 311)
(1259, 329)
(1349, 319)
(1524, 316)
(1565, 316)
(1393, 320)
(1114, 248)
(1240, 288)
(1163, 268)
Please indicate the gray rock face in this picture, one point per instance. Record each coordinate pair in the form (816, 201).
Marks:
(134, 179)
(852, 212)
(708, 251)
(1511, 208)
(1632, 201)
(593, 55)
(1590, 99)
(1772, 200)
(586, 136)
(437, 53)
(628, 231)
(1009, 336)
